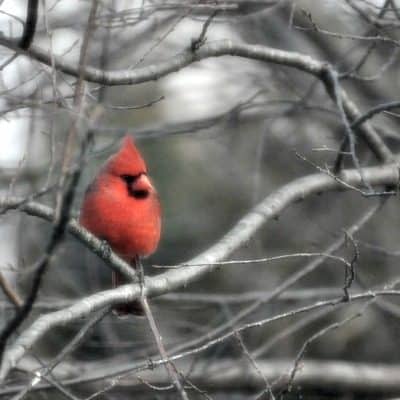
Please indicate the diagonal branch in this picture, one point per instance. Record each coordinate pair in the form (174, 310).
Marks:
(91, 241)
(244, 229)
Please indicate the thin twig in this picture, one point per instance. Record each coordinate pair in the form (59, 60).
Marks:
(198, 42)
(11, 294)
(170, 366)
(310, 340)
(68, 349)
(270, 207)
(62, 219)
(78, 105)
(216, 49)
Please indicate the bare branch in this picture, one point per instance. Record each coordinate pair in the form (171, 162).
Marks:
(12, 295)
(288, 282)
(78, 105)
(170, 366)
(333, 376)
(72, 345)
(328, 375)
(269, 208)
(62, 217)
(30, 24)
(296, 60)
(289, 91)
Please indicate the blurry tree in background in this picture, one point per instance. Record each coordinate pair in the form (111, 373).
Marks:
(270, 129)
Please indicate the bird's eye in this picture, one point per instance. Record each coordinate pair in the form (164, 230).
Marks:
(129, 179)
(133, 190)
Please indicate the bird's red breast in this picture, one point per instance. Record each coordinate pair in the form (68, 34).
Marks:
(122, 206)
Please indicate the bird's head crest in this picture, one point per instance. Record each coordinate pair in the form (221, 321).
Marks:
(128, 160)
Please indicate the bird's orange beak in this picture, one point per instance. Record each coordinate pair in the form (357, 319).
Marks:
(143, 182)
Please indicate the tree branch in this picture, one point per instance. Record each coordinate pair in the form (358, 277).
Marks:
(225, 374)
(243, 230)
(63, 209)
(30, 24)
(305, 63)
(336, 376)
(90, 241)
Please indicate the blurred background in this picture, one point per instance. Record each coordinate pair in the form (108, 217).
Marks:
(218, 136)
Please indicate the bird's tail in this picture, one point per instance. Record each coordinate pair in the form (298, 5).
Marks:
(125, 309)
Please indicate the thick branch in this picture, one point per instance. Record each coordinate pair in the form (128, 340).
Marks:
(226, 47)
(30, 24)
(244, 229)
(93, 243)
(229, 374)
(177, 62)
(337, 376)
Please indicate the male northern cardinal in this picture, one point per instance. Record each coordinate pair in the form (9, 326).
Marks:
(122, 207)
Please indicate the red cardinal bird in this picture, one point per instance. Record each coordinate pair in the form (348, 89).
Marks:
(122, 207)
